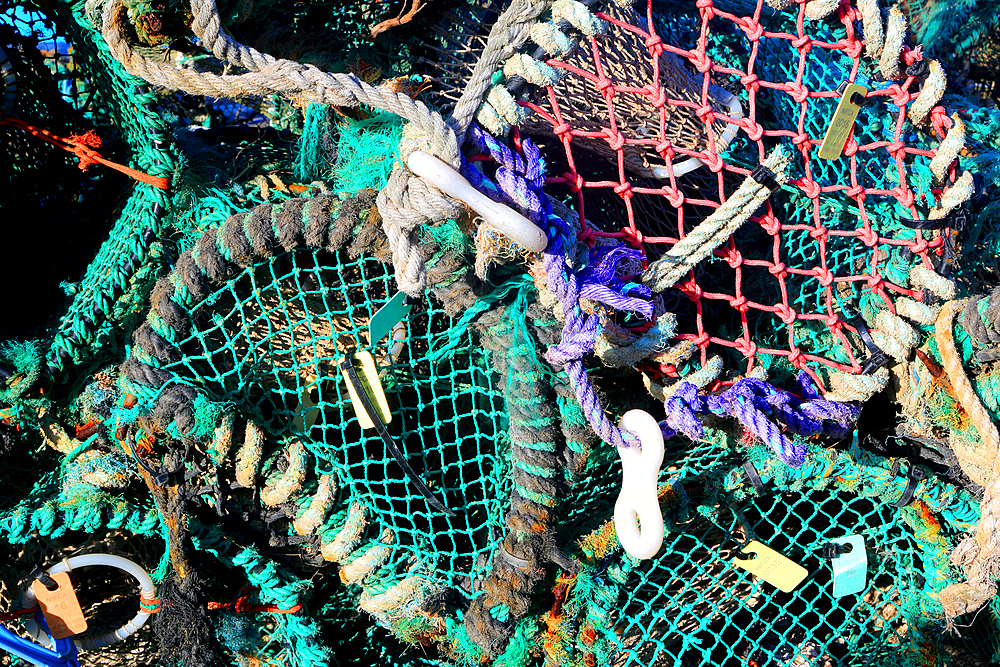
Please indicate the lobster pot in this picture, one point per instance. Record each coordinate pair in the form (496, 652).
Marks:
(270, 339)
(631, 103)
(691, 605)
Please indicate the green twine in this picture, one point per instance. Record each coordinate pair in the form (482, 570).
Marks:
(366, 151)
(311, 164)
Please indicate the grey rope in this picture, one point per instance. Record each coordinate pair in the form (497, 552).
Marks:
(716, 228)
(509, 33)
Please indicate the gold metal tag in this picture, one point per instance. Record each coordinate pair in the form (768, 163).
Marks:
(772, 567)
(373, 387)
(842, 123)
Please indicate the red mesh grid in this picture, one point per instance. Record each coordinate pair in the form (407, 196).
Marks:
(721, 174)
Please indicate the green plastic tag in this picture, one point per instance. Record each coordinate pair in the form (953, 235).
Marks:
(850, 570)
(386, 318)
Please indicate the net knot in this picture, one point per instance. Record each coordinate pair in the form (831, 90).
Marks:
(652, 42)
(809, 187)
(666, 150)
(778, 270)
(690, 289)
(824, 276)
(753, 30)
(753, 129)
(733, 257)
(875, 283)
(803, 43)
(747, 347)
(795, 357)
(740, 304)
(657, 96)
(869, 238)
(786, 313)
(561, 129)
(615, 139)
(633, 237)
(851, 147)
(624, 189)
(771, 225)
(573, 181)
(798, 92)
(703, 338)
(920, 247)
(855, 191)
(905, 196)
(701, 61)
(852, 47)
(898, 96)
(707, 8)
(801, 139)
(713, 161)
(675, 197)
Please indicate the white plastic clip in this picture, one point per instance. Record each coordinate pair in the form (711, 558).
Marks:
(514, 225)
(638, 500)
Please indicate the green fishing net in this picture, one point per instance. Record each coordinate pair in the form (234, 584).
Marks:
(199, 365)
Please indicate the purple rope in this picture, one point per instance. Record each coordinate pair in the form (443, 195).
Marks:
(752, 402)
(521, 181)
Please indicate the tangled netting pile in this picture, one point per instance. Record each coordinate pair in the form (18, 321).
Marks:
(337, 320)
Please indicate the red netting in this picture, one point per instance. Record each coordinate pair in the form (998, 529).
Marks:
(786, 81)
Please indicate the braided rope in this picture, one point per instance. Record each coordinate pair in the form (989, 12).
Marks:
(716, 229)
(978, 555)
(321, 222)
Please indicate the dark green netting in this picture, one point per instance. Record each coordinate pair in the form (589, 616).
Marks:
(283, 326)
(691, 606)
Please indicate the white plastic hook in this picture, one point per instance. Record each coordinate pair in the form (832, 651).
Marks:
(514, 225)
(638, 500)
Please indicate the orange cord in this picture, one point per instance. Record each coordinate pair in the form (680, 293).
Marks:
(241, 605)
(83, 147)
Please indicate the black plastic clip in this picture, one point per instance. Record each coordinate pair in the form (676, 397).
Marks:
(857, 99)
(878, 358)
(750, 472)
(39, 574)
(765, 177)
(917, 70)
(914, 476)
(832, 550)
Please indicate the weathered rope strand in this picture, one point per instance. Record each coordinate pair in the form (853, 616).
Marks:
(979, 554)
(716, 228)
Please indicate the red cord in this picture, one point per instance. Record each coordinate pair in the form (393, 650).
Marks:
(83, 146)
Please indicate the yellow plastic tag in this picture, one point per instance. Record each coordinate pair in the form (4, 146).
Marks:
(842, 123)
(60, 607)
(373, 387)
(772, 567)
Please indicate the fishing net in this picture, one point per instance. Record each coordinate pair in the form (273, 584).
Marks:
(198, 408)
(691, 606)
(784, 289)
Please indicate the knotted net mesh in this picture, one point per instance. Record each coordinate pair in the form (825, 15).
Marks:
(830, 244)
(707, 89)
